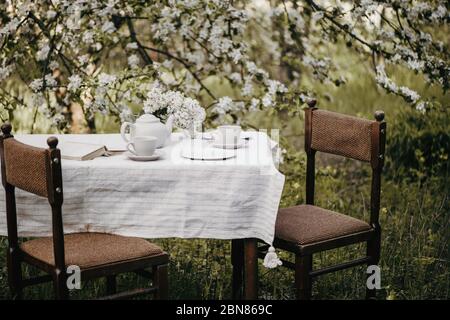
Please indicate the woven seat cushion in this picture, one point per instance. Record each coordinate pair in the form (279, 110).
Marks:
(92, 249)
(307, 224)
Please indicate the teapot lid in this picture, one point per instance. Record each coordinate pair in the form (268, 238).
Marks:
(147, 118)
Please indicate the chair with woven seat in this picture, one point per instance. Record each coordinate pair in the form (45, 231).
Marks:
(38, 171)
(308, 229)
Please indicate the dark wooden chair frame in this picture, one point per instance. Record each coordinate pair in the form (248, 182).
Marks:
(303, 265)
(57, 273)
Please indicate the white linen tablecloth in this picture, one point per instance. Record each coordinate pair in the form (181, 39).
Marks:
(171, 197)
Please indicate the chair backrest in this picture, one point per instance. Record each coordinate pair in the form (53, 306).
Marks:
(26, 167)
(346, 136)
(341, 135)
(37, 171)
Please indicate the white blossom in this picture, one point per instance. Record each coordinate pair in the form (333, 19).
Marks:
(74, 82)
(51, 14)
(247, 90)
(224, 105)
(267, 100)
(421, 107)
(185, 110)
(42, 53)
(133, 61)
(105, 79)
(5, 71)
(53, 65)
(411, 95)
(254, 103)
(131, 46)
(108, 27)
(38, 84)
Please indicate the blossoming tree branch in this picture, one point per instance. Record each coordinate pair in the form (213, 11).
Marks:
(170, 57)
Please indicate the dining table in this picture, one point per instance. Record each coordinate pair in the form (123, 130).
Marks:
(235, 198)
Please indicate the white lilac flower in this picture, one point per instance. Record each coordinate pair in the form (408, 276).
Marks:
(185, 111)
(189, 113)
(108, 27)
(133, 61)
(105, 79)
(74, 82)
(154, 99)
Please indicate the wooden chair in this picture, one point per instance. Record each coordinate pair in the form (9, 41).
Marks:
(308, 229)
(38, 171)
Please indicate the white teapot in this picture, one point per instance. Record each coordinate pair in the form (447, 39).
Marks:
(148, 125)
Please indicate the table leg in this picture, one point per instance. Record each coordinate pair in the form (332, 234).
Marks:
(250, 269)
(237, 260)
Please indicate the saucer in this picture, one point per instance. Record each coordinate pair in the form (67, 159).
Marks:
(155, 156)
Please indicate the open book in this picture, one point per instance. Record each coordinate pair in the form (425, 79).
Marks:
(79, 146)
(81, 151)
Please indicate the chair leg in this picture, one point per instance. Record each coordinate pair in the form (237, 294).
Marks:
(14, 274)
(60, 285)
(373, 251)
(161, 281)
(111, 284)
(237, 260)
(303, 281)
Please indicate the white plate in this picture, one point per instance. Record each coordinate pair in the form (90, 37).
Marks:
(229, 146)
(154, 156)
(206, 154)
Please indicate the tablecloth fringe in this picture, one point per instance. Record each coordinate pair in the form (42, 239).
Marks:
(271, 259)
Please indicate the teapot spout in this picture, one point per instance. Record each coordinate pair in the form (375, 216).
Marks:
(169, 124)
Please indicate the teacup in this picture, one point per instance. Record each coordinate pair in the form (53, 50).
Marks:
(228, 134)
(142, 146)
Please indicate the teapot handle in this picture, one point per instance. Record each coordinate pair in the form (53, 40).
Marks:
(123, 130)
